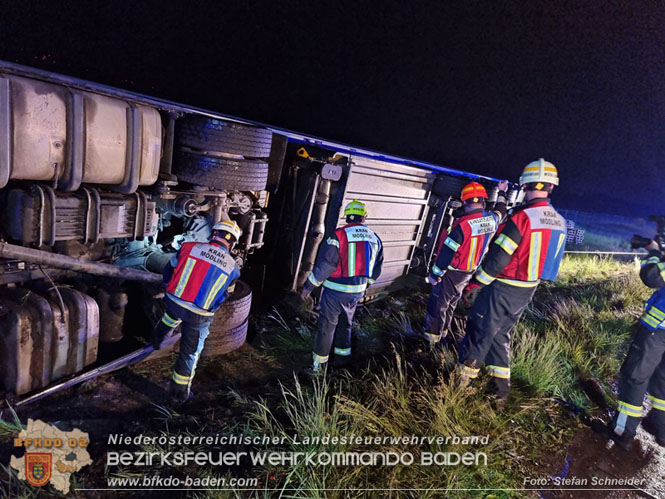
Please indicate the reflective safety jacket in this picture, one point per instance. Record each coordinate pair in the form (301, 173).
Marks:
(463, 247)
(528, 247)
(653, 275)
(200, 276)
(348, 260)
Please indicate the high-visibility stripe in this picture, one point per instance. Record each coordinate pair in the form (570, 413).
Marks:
(321, 359)
(170, 321)
(466, 271)
(472, 253)
(651, 321)
(352, 260)
(345, 288)
(519, 284)
(657, 313)
(343, 351)
(333, 242)
(650, 260)
(221, 280)
(634, 411)
(657, 403)
(537, 168)
(562, 239)
(372, 261)
(506, 243)
(534, 255)
(432, 338)
(314, 280)
(451, 243)
(190, 306)
(180, 379)
(483, 277)
(182, 283)
(436, 270)
(470, 372)
(499, 372)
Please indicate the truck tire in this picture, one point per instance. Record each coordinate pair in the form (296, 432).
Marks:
(221, 173)
(235, 310)
(223, 342)
(210, 134)
(229, 329)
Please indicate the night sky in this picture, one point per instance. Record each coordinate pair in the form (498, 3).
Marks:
(486, 87)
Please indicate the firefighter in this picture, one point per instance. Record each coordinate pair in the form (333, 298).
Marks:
(348, 261)
(461, 249)
(197, 279)
(644, 367)
(528, 247)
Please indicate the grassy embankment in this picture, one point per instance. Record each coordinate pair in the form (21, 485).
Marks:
(577, 328)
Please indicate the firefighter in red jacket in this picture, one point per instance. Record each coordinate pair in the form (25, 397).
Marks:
(348, 262)
(528, 247)
(461, 249)
(198, 280)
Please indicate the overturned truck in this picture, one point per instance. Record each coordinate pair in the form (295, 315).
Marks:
(99, 187)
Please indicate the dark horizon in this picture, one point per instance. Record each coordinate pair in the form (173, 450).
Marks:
(485, 88)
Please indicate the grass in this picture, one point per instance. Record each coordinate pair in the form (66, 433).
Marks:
(575, 329)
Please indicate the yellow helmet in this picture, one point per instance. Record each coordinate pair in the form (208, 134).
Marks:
(540, 171)
(230, 227)
(355, 207)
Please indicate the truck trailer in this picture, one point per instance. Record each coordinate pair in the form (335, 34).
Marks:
(100, 187)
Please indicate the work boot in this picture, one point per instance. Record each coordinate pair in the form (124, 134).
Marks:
(624, 442)
(179, 393)
(650, 427)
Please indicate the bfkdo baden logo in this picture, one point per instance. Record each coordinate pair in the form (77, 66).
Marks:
(38, 468)
(51, 455)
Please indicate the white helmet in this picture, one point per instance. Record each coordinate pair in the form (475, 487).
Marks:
(540, 171)
(230, 227)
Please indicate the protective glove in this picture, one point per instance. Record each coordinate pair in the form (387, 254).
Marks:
(304, 293)
(470, 293)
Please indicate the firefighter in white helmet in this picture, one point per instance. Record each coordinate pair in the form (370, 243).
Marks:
(528, 248)
(348, 261)
(198, 279)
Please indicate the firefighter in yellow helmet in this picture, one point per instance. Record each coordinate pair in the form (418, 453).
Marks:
(197, 279)
(461, 248)
(348, 261)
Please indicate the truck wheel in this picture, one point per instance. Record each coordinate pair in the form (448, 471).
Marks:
(235, 310)
(210, 134)
(223, 342)
(229, 330)
(221, 173)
